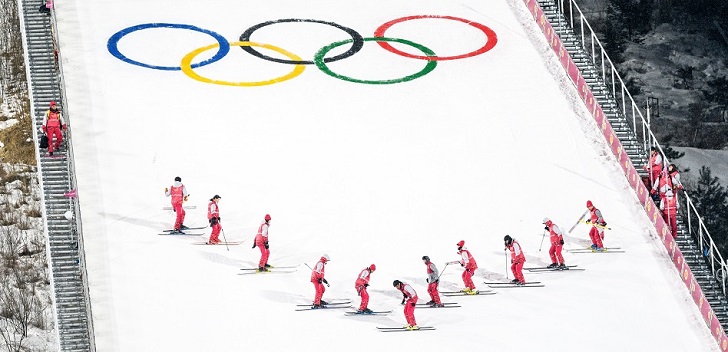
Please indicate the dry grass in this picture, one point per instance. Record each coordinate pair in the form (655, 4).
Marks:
(18, 139)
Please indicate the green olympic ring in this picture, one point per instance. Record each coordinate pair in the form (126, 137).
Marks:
(319, 60)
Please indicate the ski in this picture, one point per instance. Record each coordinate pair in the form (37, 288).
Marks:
(478, 293)
(310, 307)
(595, 225)
(421, 328)
(596, 251)
(184, 207)
(510, 283)
(267, 272)
(274, 267)
(450, 306)
(189, 228)
(219, 243)
(530, 284)
(550, 270)
(180, 234)
(327, 304)
(425, 304)
(384, 312)
(590, 249)
(481, 291)
(547, 268)
(580, 219)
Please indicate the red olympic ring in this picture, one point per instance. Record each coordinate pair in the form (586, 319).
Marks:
(489, 33)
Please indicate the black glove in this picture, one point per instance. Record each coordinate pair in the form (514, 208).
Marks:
(266, 245)
(461, 264)
(213, 221)
(402, 301)
(427, 280)
(254, 245)
(546, 228)
(326, 282)
(219, 219)
(603, 223)
(319, 280)
(561, 242)
(437, 281)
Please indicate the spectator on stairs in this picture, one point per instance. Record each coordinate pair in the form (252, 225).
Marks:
(669, 180)
(669, 206)
(654, 166)
(52, 127)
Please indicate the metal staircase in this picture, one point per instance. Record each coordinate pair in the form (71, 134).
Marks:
(614, 108)
(65, 248)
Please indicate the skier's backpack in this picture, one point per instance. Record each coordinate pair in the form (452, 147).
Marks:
(43, 142)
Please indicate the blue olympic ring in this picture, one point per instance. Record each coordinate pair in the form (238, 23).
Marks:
(113, 44)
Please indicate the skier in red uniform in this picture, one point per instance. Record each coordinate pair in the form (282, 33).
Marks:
(433, 280)
(409, 300)
(52, 127)
(213, 216)
(597, 231)
(318, 280)
(669, 206)
(361, 284)
(517, 260)
(179, 194)
(557, 243)
(468, 262)
(261, 241)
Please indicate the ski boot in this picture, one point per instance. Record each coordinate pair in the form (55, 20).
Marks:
(552, 265)
(563, 267)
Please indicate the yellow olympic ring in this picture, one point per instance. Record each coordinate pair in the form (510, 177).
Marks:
(186, 66)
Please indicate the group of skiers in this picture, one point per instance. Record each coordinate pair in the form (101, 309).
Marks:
(179, 194)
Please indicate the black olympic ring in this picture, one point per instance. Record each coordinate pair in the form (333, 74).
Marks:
(357, 44)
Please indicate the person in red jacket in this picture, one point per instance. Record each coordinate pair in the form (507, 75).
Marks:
(557, 242)
(261, 241)
(669, 180)
(669, 206)
(410, 296)
(361, 284)
(318, 280)
(517, 260)
(654, 165)
(213, 216)
(468, 262)
(179, 194)
(52, 127)
(433, 280)
(596, 233)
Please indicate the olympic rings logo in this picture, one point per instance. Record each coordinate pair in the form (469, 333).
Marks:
(320, 59)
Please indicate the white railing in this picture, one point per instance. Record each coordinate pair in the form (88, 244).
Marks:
(640, 125)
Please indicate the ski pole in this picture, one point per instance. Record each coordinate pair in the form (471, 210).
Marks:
(542, 238)
(223, 237)
(578, 221)
(443, 270)
(506, 254)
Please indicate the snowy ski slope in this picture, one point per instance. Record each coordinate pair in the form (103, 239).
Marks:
(470, 149)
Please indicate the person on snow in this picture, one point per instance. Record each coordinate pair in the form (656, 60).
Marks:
(654, 166)
(361, 284)
(433, 280)
(213, 216)
(410, 301)
(517, 260)
(179, 194)
(52, 127)
(596, 233)
(557, 243)
(318, 280)
(468, 262)
(669, 206)
(261, 241)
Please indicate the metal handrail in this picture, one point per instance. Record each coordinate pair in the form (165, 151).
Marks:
(611, 77)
